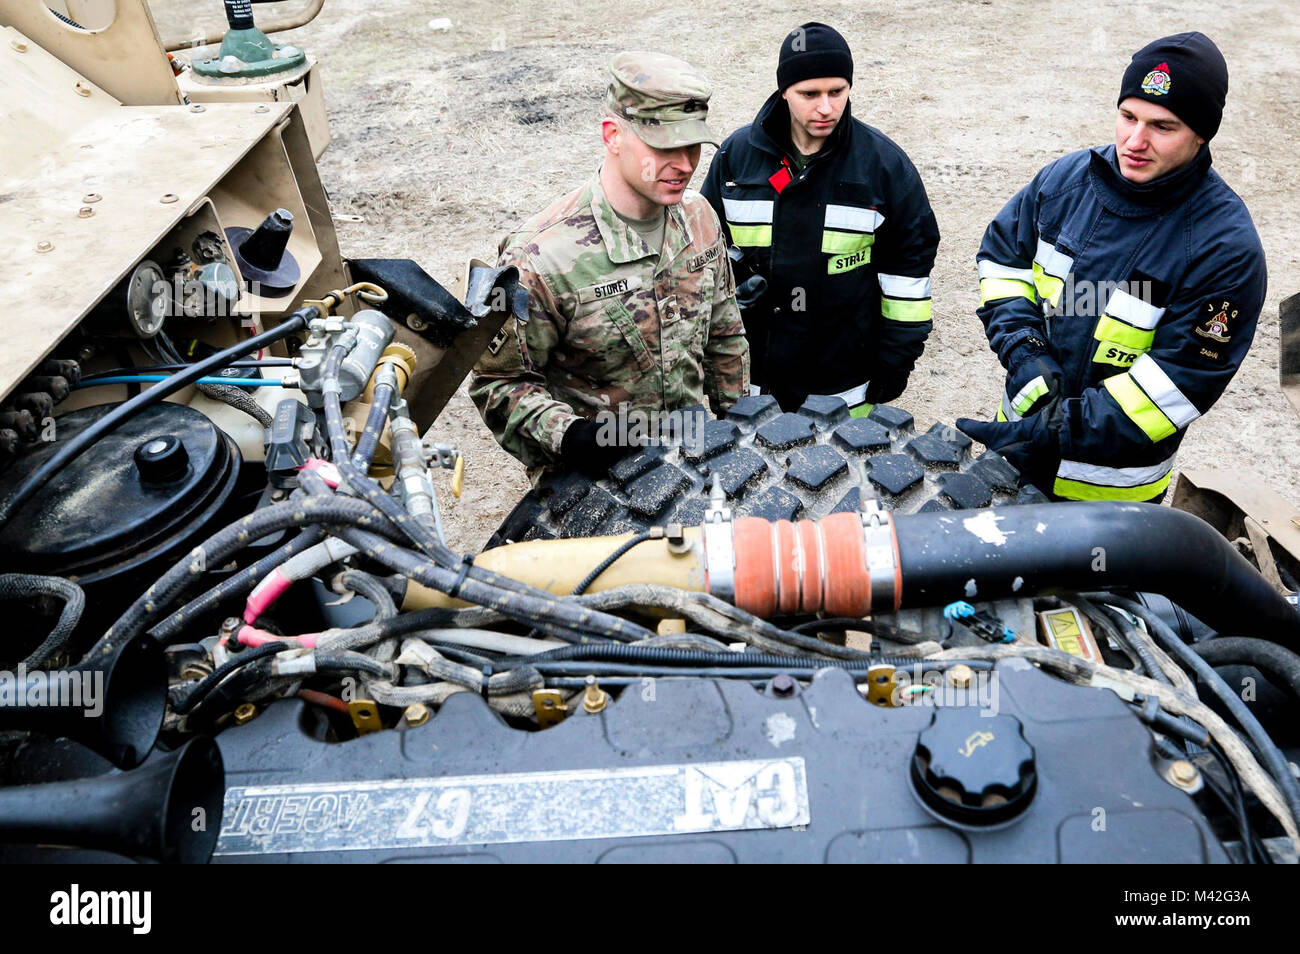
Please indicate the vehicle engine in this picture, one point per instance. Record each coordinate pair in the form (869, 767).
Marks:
(238, 634)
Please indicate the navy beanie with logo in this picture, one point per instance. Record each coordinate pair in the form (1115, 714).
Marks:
(813, 51)
(1186, 74)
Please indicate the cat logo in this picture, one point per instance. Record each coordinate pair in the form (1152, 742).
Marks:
(974, 741)
(1216, 324)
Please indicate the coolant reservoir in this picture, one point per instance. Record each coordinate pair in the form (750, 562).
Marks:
(242, 429)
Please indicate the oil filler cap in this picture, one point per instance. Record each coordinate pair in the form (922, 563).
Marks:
(974, 770)
(161, 460)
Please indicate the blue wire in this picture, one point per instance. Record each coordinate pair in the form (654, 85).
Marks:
(150, 378)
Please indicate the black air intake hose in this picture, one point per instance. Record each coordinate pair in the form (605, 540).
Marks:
(1019, 551)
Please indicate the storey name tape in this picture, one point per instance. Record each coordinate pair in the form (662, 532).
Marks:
(515, 808)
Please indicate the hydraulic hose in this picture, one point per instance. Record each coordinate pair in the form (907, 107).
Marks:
(374, 426)
(1269, 753)
(363, 584)
(523, 607)
(1276, 662)
(218, 547)
(1017, 551)
(22, 585)
(235, 585)
(128, 409)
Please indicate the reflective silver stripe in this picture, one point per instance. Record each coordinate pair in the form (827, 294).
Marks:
(1009, 412)
(851, 217)
(1133, 310)
(747, 211)
(853, 396)
(900, 286)
(1153, 380)
(1057, 264)
(991, 269)
(1113, 476)
(1024, 392)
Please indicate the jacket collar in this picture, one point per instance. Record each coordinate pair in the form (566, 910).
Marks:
(623, 243)
(1133, 199)
(771, 129)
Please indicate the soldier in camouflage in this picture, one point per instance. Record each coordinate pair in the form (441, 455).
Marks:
(631, 297)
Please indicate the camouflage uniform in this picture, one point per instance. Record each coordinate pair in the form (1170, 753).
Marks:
(609, 321)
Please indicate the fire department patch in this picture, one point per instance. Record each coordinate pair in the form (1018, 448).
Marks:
(1158, 81)
(1218, 314)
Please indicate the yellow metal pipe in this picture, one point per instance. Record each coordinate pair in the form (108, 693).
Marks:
(559, 565)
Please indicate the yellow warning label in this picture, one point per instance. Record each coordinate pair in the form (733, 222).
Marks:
(1063, 623)
(1071, 645)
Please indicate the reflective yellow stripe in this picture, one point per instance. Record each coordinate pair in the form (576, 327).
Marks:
(991, 289)
(898, 309)
(752, 236)
(1049, 286)
(1000, 416)
(1123, 334)
(845, 243)
(1076, 490)
(1110, 353)
(862, 410)
(1140, 408)
(846, 263)
(1028, 397)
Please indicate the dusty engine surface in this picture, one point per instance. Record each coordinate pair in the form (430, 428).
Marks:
(693, 770)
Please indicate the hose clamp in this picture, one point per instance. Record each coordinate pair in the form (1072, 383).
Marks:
(720, 553)
(882, 556)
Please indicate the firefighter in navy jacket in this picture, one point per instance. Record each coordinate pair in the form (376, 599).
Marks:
(1120, 289)
(833, 216)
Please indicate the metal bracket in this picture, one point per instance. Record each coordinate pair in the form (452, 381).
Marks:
(882, 561)
(549, 706)
(719, 545)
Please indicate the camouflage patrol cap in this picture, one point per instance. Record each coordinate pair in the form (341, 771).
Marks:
(665, 99)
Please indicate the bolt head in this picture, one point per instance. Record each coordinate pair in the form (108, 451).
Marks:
(783, 684)
(960, 676)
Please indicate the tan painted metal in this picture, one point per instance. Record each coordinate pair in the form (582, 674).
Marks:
(268, 25)
(302, 86)
(125, 58)
(158, 175)
(559, 565)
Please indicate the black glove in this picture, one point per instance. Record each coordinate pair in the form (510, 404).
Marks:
(1033, 377)
(582, 450)
(886, 384)
(1031, 445)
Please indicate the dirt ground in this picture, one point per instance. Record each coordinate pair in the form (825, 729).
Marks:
(445, 138)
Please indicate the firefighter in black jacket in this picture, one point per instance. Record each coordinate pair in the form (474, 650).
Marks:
(832, 214)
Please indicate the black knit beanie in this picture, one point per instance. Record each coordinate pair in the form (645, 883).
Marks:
(813, 51)
(1186, 74)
